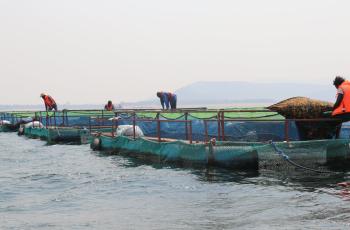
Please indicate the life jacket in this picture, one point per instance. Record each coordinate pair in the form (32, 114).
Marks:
(49, 101)
(344, 106)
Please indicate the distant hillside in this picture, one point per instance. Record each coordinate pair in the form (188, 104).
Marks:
(220, 94)
(42, 107)
(240, 92)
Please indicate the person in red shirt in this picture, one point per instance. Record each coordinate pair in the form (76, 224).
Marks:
(109, 106)
(50, 103)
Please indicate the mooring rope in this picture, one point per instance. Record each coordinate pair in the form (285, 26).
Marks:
(263, 116)
(58, 132)
(286, 157)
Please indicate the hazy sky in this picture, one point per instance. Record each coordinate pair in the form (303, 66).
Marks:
(83, 51)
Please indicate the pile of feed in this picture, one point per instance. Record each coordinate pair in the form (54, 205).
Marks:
(306, 108)
(301, 108)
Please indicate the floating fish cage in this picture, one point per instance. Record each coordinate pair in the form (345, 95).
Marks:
(227, 138)
(64, 126)
(231, 138)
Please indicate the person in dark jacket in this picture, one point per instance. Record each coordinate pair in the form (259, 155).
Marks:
(167, 100)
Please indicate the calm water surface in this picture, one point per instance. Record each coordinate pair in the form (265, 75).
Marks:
(72, 187)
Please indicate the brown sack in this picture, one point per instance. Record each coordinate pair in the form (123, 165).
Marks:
(301, 108)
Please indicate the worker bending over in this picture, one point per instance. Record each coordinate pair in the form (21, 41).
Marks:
(109, 106)
(50, 103)
(166, 99)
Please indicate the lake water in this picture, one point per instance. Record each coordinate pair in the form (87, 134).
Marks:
(72, 187)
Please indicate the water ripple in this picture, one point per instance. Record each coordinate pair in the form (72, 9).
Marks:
(71, 187)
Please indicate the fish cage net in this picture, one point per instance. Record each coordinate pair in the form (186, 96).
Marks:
(202, 126)
(320, 156)
(324, 156)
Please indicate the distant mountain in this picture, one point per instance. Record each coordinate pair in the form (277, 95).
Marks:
(219, 94)
(42, 107)
(240, 92)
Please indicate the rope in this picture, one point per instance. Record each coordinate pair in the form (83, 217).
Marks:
(286, 157)
(172, 119)
(201, 118)
(58, 132)
(125, 116)
(264, 116)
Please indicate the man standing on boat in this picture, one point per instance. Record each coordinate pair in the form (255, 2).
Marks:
(341, 108)
(50, 103)
(109, 106)
(167, 99)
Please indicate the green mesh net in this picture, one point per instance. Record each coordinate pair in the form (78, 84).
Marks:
(321, 155)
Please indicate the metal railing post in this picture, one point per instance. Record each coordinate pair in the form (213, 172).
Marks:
(158, 128)
(218, 121)
(112, 129)
(190, 132)
(102, 118)
(134, 125)
(116, 122)
(186, 125)
(63, 119)
(206, 131)
(223, 125)
(67, 120)
(54, 116)
(47, 119)
(286, 130)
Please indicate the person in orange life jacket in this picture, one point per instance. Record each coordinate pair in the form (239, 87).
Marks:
(341, 108)
(109, 106)
(49, 102)
(167, 99)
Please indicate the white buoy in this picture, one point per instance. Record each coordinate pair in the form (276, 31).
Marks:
(96, 142)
